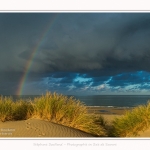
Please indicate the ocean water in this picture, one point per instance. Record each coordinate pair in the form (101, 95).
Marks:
(114, 100)
(105, 100)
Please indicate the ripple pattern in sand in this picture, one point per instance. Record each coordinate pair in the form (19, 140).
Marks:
(38, 128)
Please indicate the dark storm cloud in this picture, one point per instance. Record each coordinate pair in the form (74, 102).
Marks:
(63, 74)
(111, 42)
(89, 45)
(19, 32)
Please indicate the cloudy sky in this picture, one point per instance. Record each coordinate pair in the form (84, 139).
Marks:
(75, 53)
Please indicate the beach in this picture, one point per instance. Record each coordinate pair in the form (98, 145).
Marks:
(108, 110)
(42, 128)
(38, 128)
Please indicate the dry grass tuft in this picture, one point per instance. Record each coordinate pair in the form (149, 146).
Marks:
(132, 122)
(53, 107)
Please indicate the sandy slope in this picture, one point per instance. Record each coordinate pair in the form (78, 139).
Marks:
(38, 128)
(41, 128)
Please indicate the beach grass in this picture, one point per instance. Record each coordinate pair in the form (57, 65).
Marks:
(10, 110)
(53, 107)
(70, 112)
(130, 124)
(5, 108)
(22, 110)
(67, 111)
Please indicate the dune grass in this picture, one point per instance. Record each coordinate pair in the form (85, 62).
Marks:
(22, 110)
(132, 122)
(66, 111)
(73, 113)
(10, 110)
(5, 108)
(53, 107)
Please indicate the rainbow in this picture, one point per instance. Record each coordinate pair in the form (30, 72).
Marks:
(33, 54)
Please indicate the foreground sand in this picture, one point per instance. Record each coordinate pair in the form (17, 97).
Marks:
(40, 128)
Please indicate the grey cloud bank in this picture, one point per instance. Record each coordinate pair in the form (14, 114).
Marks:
(82, 52)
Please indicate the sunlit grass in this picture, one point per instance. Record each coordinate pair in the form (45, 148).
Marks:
(132, 122)
(53, 107)
(10, 110)
(22, 110)
(66, 111)
(5, 108)
(73, 113)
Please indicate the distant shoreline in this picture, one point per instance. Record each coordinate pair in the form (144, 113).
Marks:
(105, 110)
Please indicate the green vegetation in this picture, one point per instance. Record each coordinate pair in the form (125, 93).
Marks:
(55, 108)
(5, 108)
(10, 110)
(132, 122)
(66, 111)
(70, 112)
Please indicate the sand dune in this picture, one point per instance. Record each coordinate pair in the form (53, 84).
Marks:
(38, 128)
(145, 134)
(41, 128)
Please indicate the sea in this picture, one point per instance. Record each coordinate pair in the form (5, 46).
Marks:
(103, 100)
(115, 100)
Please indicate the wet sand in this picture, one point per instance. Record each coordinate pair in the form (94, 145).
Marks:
(108, 110)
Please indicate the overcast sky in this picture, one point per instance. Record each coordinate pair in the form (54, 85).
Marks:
(76, 53)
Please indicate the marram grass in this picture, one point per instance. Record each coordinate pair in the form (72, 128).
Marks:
(132, 122)
(52, 107)
(70, 112)
(10, 110)
(66, 111)
(5, 108)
